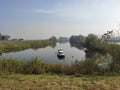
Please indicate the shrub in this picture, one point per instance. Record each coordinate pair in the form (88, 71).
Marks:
(85, 67)
(34, 66)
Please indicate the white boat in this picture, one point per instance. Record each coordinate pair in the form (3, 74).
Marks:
(60, 53)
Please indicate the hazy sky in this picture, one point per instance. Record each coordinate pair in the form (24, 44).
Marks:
(40, 19)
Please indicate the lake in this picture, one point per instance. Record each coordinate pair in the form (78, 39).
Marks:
(48, 54)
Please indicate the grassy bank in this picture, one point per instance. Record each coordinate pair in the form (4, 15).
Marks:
(58, 82)
(37, 66)
(16, 74)
(8, 46)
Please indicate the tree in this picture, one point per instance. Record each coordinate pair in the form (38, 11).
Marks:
(53, 41)
(108, 36)
(53, 38)
(77, 40)
(0, 36)
(5, 37)
(114, 49)
(91, 41)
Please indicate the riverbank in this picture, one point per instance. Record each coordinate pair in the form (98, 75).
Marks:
(58, 82)
(37, 66)
(8, 46)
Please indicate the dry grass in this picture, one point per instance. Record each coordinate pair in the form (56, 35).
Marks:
(58, 82)
(8, 46)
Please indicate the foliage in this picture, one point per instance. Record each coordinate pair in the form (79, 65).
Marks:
(85, 67)
(98, 45)
(93, 43)
(36, 66)
(115, 53)
(4, 37)
(8, 46)
(77, 41)
(53, 39)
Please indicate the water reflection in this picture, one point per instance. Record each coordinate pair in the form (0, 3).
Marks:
(77, 46)
(48, 54)
(60, 57)
(102, 59)
(53, 45)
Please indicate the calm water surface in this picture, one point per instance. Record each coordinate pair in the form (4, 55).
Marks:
(48, 54)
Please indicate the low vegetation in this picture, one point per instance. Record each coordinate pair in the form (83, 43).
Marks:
(8, 46)
(58, 82)
(16, 74)
(34, 74)
(36, 66)
(98, 45)
(88, 66)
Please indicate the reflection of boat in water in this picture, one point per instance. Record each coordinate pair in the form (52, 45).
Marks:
(60, 54)
(61, 57)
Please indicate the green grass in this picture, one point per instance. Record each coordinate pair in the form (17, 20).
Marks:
(58, 82)
(37, 66)
(8, 46)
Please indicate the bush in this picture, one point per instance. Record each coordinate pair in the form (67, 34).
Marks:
(85, 67)
(11, 65)
(34, 66)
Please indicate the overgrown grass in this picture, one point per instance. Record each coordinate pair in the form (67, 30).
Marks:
(8, 46)
(58, 82)
(36, 66)
(33, 66)
(17, 74)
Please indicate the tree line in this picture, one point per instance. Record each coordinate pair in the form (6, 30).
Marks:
(4, 37)
(99, 45)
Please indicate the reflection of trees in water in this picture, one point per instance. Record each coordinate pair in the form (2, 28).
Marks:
(60, 41)
(77, 46)
(96, 56)
(53, 45)
(53, 41)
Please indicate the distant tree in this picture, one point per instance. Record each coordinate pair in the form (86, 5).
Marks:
(0, 36)
(53, 38)
(5, 37)
(113, 49)
(53, 41)
(63, 39)
(91, 40)
(93, 43)
(77, 40)
(108, 35)
(21, 39)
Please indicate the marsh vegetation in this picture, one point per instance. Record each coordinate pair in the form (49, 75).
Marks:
(78, 75)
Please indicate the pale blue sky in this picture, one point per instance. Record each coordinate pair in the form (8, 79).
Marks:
(40, 19)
